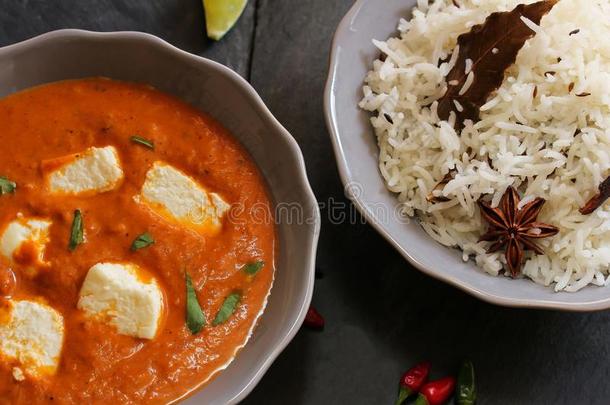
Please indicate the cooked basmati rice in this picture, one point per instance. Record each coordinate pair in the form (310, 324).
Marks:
(468, 67)
(467, 83)
(545, 131)
(458, 106)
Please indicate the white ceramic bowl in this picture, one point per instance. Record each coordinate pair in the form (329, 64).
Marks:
(356, 151)
(215, 89)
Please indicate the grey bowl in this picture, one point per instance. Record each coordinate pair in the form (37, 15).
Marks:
(356, 152)
(215, 89)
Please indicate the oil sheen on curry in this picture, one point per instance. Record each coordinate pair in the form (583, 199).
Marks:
(131, 267)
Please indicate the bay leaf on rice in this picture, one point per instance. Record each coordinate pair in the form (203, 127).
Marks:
(492, 48)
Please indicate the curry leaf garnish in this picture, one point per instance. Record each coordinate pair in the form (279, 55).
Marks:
(195, 319)
(142, 241)
(76, 233)
(7, 186)
(492, 47)
(253, 267)
(143, 141)
(228, 308)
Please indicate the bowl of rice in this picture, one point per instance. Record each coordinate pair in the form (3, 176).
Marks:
(503, 196)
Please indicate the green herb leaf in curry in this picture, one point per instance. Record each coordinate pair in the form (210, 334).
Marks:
(143, 141)
(253, 267)
(7, 186)
(195, 318)
(76, 233)
(142, 241)
(228, 308)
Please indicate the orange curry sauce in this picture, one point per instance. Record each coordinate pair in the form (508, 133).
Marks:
(97, 364)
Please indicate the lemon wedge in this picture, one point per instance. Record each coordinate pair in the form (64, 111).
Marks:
(221, 16)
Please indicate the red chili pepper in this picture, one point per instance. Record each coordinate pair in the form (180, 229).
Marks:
(313, 319)
(412, 380)
(436, 392)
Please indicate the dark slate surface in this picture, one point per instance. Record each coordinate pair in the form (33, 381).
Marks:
(382, 315)
(180, 22)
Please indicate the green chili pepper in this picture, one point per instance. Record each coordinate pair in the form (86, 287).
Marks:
(466, 393)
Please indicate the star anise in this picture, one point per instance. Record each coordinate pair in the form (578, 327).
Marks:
(514, 228)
